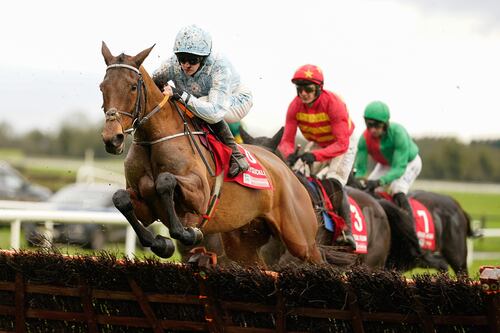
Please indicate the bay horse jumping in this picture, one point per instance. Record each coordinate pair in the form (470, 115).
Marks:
(167, 180)
(377, 223)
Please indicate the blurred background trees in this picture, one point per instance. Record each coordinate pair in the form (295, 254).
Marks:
(444, 158)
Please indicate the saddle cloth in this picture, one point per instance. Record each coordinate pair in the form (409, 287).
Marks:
(424, 223)
(255, 177)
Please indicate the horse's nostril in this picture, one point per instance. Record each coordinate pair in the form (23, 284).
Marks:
(118, 140)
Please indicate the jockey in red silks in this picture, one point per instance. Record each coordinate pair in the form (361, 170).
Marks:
(323, 119)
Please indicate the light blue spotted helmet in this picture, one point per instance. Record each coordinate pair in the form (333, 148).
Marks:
(192, 39)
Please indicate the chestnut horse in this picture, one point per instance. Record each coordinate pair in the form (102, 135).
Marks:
(167, 179)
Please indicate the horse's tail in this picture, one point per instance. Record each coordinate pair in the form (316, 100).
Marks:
(470, 231)
(404, 243)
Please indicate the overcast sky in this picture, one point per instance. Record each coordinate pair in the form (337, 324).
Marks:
(435, 63)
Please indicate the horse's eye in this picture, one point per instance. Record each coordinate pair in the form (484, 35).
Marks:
(134, 87)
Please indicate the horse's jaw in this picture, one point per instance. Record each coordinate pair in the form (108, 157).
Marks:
(113, 142)
(114, 150)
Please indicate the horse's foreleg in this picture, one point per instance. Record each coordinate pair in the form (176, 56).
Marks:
(161, 246)
(165, 187)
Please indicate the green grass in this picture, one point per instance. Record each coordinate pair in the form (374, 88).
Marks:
(490, 244)
(473, 269)
(118, 249)
(480, 205)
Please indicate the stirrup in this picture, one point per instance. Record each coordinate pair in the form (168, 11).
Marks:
(346, 240)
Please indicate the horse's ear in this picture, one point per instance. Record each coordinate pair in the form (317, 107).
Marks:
(141, 56)
(247, 138)
(276, 139)
(106, 53)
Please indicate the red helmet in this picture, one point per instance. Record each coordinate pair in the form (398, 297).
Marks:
(310, 73)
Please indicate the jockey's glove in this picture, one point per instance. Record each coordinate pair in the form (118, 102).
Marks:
(371, 184)
(178, 94)
(308, 158)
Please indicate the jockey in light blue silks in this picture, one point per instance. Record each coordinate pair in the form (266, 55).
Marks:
(209, 85)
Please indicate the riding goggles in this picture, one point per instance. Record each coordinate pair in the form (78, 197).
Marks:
(371, 123)
(307, 88)
(192, 59)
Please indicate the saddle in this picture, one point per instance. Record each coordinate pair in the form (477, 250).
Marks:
(255, 177)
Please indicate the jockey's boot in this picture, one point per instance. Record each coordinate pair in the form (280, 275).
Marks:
(423, 257)
(401, 200)
(338, 197)
(238, 161)
(345, 212)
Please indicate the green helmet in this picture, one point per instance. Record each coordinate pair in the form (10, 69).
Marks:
(377, 110)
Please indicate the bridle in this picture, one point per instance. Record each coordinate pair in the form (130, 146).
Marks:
(137, 121)
(113, 115)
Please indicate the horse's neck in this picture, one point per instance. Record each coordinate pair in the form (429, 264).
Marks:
(163, 122)
(172, 121)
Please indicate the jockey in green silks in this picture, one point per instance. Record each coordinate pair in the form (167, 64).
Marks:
(395, 153)
(397, 160)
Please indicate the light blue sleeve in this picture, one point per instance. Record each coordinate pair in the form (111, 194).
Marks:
(213, 109)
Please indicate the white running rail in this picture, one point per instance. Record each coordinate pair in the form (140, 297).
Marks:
(15, 216)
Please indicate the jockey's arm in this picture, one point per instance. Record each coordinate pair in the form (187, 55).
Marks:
(399, 160)
(287, 144)
(361, 164)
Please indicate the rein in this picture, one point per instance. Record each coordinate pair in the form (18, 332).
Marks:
(112, 115)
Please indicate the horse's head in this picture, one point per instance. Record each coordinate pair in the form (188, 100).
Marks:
(123, 96)
(263, 141)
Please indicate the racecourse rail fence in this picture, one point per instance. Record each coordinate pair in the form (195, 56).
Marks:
(49, 292)
(17, 212)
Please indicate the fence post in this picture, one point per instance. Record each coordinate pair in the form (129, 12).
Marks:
(357, 320)
(20, 310)
(130, 242)
(493, 304)
(15, 234)
(470, 252)
(490, 283)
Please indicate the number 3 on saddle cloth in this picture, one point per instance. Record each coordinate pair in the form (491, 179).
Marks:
(335, 223)
(424, 224)
(255, 177)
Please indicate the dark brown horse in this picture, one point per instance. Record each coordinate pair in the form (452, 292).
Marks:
(377, 223)
(452, 226)
(168, 181)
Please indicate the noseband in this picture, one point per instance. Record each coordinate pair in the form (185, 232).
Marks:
(112, 113)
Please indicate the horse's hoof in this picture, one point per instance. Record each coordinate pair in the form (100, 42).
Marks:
(190, 236)
(197, 235)
(163, 247)
(121, 200)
